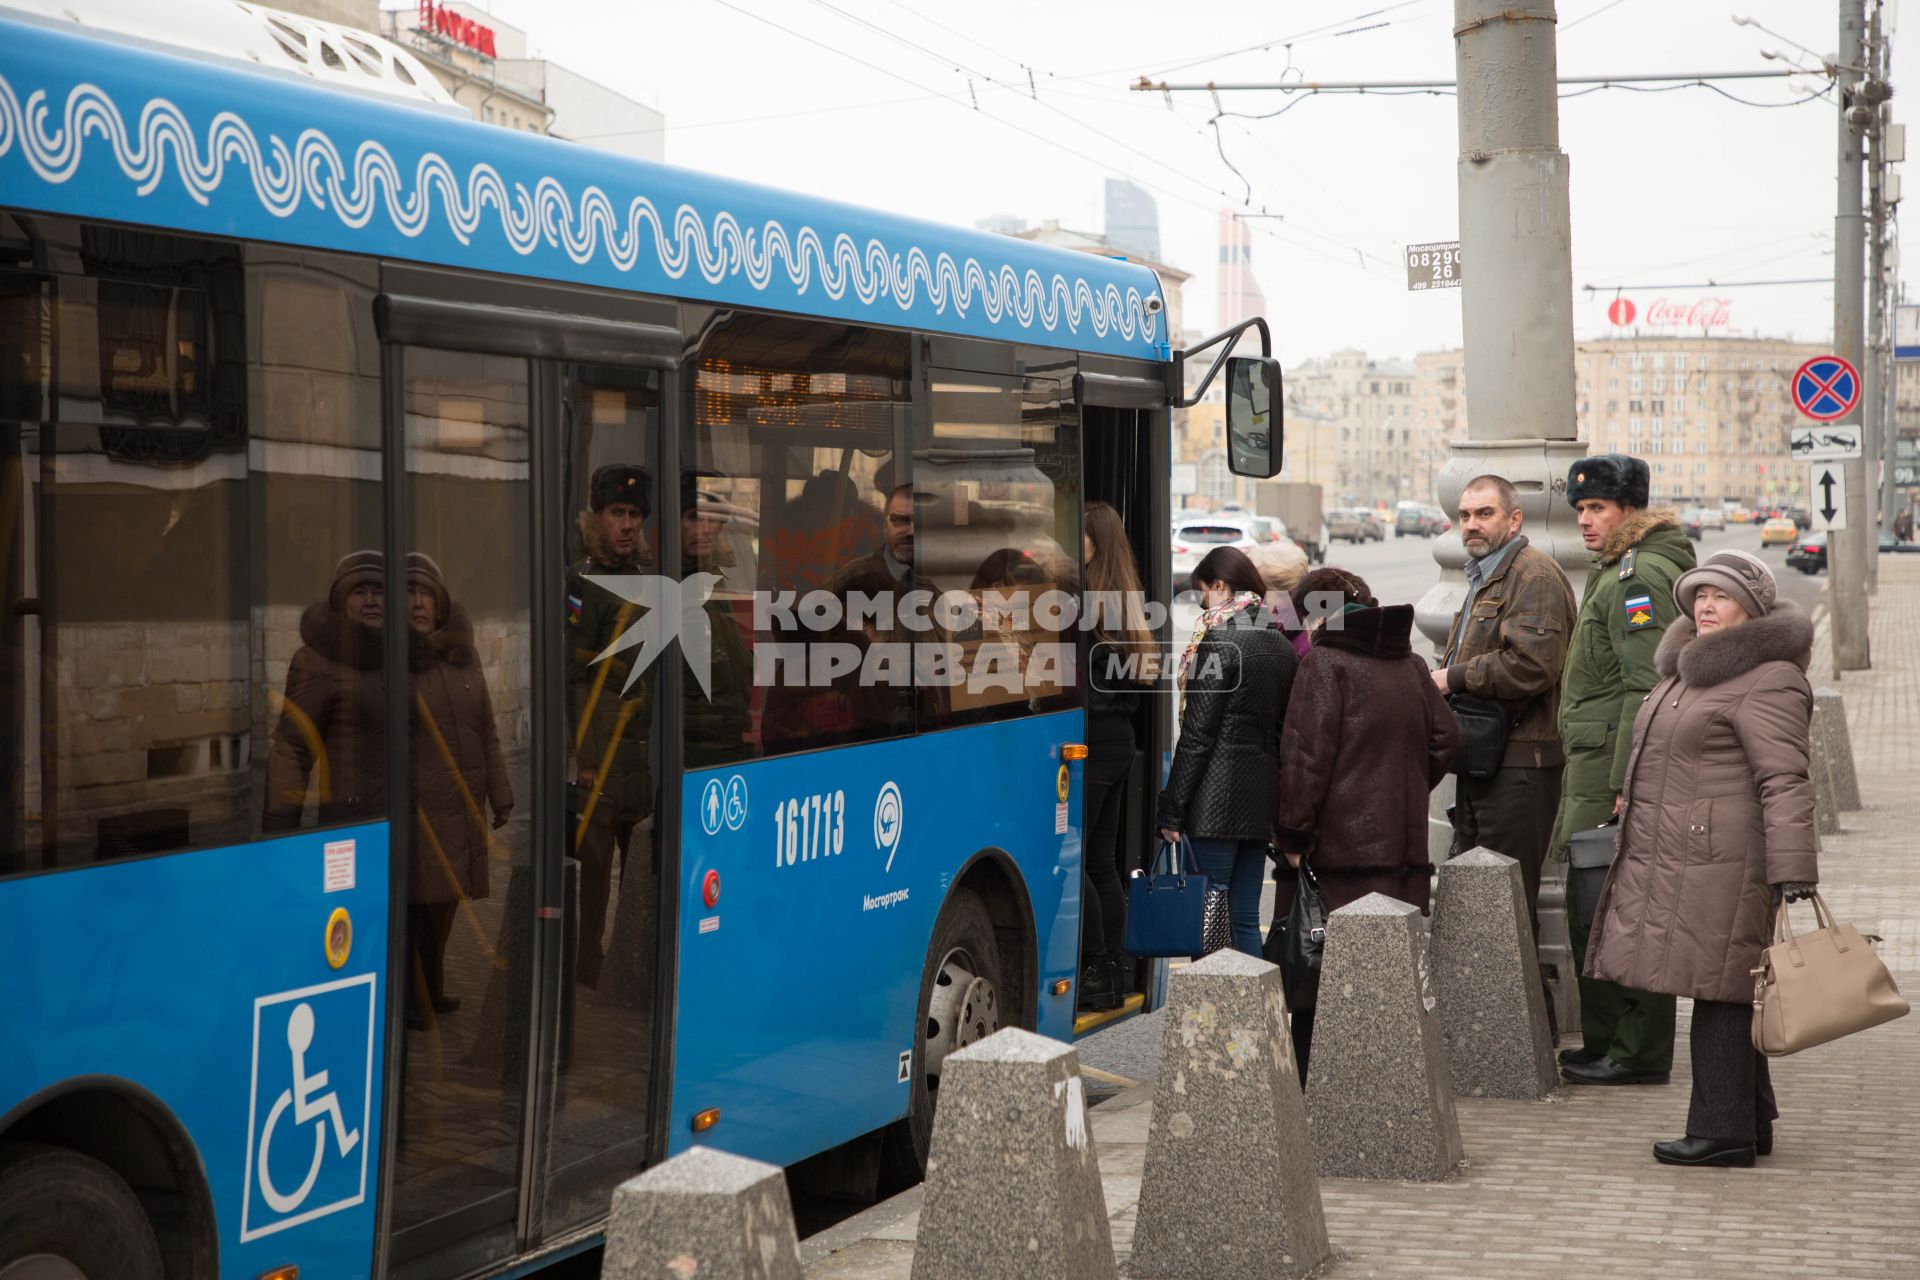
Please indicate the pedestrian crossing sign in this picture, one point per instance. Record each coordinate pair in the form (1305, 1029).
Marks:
(1639, 612)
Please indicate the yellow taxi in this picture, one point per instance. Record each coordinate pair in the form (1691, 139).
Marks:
(1779, 530)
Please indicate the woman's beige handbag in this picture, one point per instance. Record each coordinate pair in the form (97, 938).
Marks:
(1814, 987)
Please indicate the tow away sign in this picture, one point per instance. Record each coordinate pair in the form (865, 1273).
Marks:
(1825, 444)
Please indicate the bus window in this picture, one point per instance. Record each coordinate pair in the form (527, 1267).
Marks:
(792, 445)
(996, 486)
(318, 529)
(190, 446)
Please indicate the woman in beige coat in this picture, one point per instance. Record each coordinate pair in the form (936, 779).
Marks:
(1717, 826)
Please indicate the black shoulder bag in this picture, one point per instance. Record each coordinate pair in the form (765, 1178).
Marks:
(1484, 725)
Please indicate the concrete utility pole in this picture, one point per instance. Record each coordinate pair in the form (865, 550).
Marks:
(1516, 304)
(1517, 297)
(1848, 549)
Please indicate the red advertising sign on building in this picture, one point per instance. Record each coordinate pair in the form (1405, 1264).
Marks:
(1699, 313)
(442, 20)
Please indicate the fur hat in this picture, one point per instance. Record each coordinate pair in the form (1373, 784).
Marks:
(355, 569)
(621, 482)
(1741, 575)
(1617, 476)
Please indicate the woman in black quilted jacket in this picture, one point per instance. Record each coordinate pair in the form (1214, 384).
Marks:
(1234, 678)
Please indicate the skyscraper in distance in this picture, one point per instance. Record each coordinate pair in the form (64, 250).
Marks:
(1133, 219)
(1235, 286)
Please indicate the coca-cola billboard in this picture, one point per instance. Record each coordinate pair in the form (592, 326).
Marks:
(1662, 313)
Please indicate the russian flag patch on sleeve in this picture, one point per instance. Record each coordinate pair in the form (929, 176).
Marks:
(574, 604)
(1639, 612)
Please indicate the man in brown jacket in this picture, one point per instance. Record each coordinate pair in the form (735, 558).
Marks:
(1509, 644)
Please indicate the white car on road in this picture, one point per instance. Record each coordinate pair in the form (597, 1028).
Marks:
(1196, 535)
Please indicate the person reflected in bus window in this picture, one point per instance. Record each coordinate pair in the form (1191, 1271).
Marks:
(717, 719)
(459, 773)
(612, 791)
(894, 556)
(329, 744)
(1234, 677)
(810, 538)
(1119, 670)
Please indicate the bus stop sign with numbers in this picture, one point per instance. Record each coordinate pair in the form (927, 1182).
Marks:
(1433, 266)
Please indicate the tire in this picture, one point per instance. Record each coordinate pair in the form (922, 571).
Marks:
(68, 1207)
(964, 927)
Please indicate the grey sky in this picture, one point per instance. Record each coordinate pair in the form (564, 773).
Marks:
(1667, 187)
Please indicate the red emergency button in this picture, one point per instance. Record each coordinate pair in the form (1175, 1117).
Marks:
(710, 889)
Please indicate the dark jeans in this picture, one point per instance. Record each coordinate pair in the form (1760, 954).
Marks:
(1732, 1089)
(1241, 865)
(1103, 899)
(1511, 813)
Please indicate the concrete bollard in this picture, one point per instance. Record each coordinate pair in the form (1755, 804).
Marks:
(1826, 814)
(1379, 1093)
(1487, 980)
(1832, 740)
(1013, 1183)
(704, 1213)
(1229, 1188)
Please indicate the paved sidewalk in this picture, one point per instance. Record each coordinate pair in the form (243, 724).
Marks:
(1568, 1186)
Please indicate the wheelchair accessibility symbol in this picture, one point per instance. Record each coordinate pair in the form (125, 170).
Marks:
(310, 1106)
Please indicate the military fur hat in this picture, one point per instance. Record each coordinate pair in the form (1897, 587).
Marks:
(621, 482)
(1624, 479)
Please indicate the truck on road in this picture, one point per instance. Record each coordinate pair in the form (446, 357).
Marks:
(1299, 505)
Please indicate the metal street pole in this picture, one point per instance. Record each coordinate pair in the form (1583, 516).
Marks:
(1849, 547)
(1516, 299)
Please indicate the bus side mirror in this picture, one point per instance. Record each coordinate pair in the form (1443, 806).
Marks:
(1255, 433)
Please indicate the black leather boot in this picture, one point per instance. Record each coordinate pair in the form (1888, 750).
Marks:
(1096, 987)
(1720, 1152)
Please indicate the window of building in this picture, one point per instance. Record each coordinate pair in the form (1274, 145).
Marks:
(1633, 426)
(1635, 361)
(1613, 362)
(1635, 384)
(1659, 425)
(1680, 360)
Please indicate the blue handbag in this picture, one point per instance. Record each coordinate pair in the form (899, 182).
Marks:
(1173, 910)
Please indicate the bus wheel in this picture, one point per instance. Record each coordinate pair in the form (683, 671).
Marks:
(65, 1216)
(959, 1004)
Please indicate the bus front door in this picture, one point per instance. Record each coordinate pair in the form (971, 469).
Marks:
(531, 876)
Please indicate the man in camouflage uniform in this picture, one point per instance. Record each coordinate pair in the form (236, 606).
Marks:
(613, 785)
(1626, 607)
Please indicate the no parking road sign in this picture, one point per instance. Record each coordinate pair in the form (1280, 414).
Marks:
(1826, 388)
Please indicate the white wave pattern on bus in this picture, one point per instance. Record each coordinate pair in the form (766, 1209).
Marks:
(312, 170)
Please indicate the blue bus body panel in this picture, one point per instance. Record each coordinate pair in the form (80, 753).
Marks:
(100, 129)
(183, 975)
(798, 989)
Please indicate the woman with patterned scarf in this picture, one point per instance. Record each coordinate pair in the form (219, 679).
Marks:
(1234, 679)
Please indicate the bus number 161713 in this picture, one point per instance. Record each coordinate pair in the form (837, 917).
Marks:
(809, 827)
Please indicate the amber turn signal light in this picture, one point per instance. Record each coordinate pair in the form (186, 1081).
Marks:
(705, 1120)
(1062, 985)
(1074, 751)
(288, 1272)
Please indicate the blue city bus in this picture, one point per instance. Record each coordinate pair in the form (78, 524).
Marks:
(373, 897)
